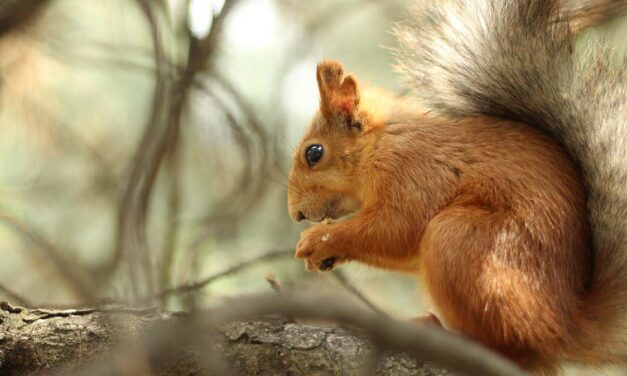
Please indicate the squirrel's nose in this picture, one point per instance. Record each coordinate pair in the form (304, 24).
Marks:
(300, 216)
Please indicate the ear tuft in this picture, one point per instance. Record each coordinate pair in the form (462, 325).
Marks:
(349, 90)
(329, 74)
(338, 95)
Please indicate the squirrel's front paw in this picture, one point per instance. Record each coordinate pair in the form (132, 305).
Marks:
(316, 249)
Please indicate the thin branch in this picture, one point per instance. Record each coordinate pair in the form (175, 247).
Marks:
(67, 139)
(174, 207)
(274, 283)
(341, 278)
(14, 297)
(14, 14)
(131, 231)
(66, 269)
(201, 49)
(232, 270)
(250, 186)
(157, 142)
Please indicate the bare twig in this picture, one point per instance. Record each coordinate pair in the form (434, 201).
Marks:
(131, 59)
(262, 167)
(16, 13)
(274, 282)
(250, 186)
(157, 142)
(341, 278)
(131, 233)
(66, 269)
(205, 47)
(276, 285)
(234, 269)
(67, 139)
(174, 206)
(14, 297)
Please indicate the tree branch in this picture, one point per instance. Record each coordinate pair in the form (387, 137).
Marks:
(14, 296)
(232, 270)
(92, 341)
(15, 14)
(68, 270)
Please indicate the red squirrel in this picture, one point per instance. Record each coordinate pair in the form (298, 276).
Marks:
(502, 184)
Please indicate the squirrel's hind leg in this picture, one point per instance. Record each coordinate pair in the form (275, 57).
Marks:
(491, 284)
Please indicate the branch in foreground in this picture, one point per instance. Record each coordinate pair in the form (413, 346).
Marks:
(73, 339)
(65, 342)
(454, 352)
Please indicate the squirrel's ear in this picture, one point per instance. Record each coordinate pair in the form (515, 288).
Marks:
(339, 95)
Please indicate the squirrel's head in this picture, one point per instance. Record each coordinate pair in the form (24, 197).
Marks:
(324, 174)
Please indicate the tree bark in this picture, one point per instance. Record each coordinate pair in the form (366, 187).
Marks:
(38, 341)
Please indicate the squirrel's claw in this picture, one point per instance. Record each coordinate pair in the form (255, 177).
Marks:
(327, 264)
(317, 251)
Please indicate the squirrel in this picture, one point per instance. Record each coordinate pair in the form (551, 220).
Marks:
(502, 183)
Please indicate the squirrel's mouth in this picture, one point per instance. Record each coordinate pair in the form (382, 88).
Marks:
(336, 208)
(329, 220)
(333, 213)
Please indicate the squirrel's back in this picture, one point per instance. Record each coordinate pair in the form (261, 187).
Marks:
(519, 60)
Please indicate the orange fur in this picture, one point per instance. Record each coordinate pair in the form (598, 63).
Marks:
(490, 214)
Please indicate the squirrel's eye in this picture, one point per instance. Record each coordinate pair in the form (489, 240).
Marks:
(314, 154)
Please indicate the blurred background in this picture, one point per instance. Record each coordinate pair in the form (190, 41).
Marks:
(145, 145)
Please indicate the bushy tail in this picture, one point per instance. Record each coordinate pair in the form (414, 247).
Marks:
(518, 60)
